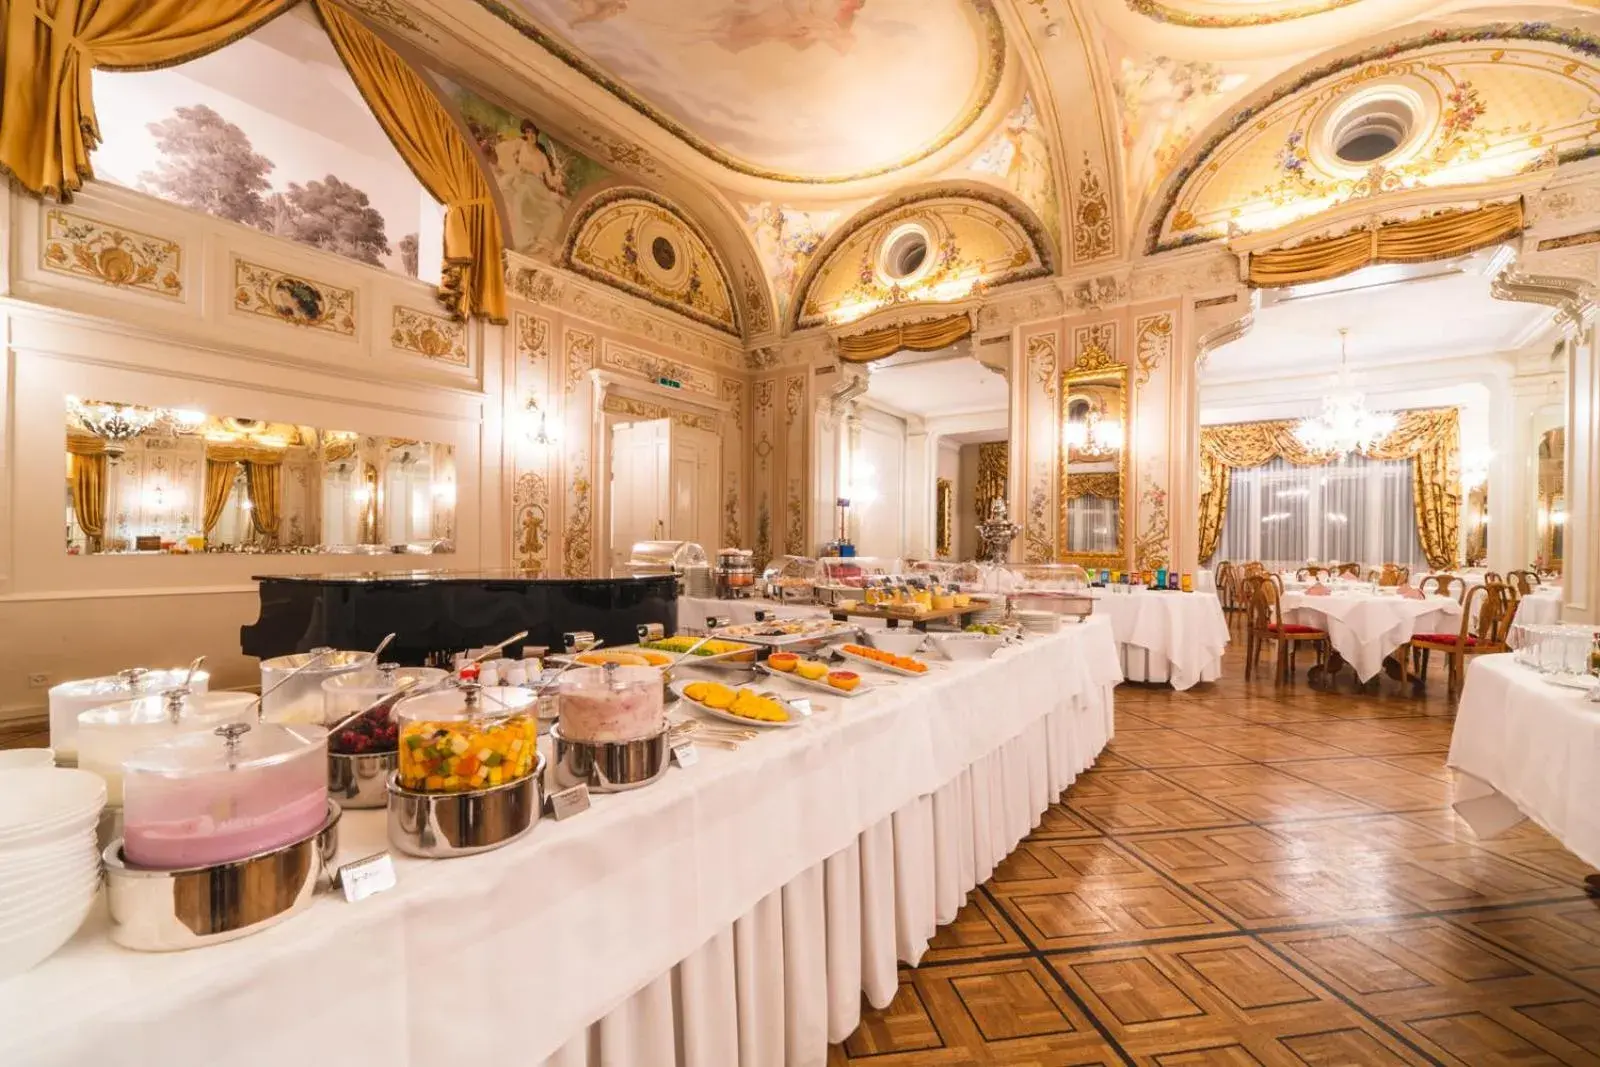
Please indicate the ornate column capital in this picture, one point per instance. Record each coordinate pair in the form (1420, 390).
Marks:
(1573, 298)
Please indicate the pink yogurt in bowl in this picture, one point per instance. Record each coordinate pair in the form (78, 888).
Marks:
(611, 704)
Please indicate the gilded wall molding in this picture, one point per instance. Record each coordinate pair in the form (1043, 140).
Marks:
(293, 299)
(530, 504)
(577, 536)
(90, 249)
(437, 337)
(1573, 299)
(1152, 343)
(580, 348)
(1092, 217)
(639, 363)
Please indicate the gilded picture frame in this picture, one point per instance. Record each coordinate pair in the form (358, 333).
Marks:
(944, 505)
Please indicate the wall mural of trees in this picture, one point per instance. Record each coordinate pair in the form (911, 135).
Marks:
(208, 164)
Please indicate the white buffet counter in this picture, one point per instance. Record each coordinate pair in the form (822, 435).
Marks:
(733, 913)
(1523, 748)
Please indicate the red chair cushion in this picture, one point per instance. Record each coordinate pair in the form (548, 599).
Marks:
(1293, 628)
(1443, 639)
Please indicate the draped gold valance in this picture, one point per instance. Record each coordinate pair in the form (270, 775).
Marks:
(48, 125)
(1430, 438)
(927, 336)
(994, 470)
(1442, 236)
(84, 445)
(231, 453)
(1098, 483)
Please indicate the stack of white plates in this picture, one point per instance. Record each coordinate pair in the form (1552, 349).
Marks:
(1038, 622)
(995, 613)
(49, 863)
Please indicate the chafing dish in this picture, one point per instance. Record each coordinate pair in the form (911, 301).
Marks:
(444, 825)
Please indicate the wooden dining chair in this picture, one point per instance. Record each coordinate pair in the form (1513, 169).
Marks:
(1311, 573)
(1442, 584)
(1486, 614)
(1348, 570)
(1524, 580)
(1265, 623)
(1492, 576)
(1391, 575)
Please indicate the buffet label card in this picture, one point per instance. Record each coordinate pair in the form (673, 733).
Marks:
(569, 802)
(801, 706)
(362, 878)
(685, 754)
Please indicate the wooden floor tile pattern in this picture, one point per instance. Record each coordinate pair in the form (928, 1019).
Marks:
(1258, 875)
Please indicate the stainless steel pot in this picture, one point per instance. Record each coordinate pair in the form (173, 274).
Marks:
(361, 781)
(610, 766)
(442, 825)
(167, 911)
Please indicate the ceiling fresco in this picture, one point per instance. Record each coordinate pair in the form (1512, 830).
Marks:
(1492, 101)
(1232, 14)
(1164, 103)
(794, 90)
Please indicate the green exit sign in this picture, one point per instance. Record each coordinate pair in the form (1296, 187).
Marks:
(670, 383)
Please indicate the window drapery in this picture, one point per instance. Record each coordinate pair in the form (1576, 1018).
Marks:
(88, 472)
(265, 481)
(219, 485)
(1452, 233)
(48, 126)
(1430, 439)
(1357, 510)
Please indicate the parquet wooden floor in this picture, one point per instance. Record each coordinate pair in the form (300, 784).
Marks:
(1255, 875)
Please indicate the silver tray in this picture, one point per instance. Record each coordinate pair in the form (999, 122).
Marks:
(166, 911)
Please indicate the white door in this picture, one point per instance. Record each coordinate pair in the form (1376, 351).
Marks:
(696, 471)
(639, 503)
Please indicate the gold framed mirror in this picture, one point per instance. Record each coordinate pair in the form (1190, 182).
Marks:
(944, 511)
(1094, 466)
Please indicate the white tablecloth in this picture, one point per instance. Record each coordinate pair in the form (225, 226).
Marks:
(1525, 748)
(1167, 636)
(737, 910)
(1364, 628)
(1540, 608)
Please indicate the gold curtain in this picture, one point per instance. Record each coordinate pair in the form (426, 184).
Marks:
(994, 464)
(1106, 484)
(265, 480)
(432, 146)
(929, 336)
(1430, 438)
(219, 484)
(88, 473)
(1216, 480)
(1417, 241)
(47, 123)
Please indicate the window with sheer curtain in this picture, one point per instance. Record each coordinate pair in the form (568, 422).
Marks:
(1357, 510)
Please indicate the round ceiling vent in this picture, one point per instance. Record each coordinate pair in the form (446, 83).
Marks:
(906, 254)
(1372, 129)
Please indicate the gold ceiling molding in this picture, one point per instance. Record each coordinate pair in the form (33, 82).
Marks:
(1492, 102)
(636, 241)
(1442, 236)
(994, 63)
(980, 237)
(1260, 14)
(927, 336)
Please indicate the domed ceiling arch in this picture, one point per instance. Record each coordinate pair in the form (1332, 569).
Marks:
(1478, 103)
(634, 240)
(974, 237)
(811, 92)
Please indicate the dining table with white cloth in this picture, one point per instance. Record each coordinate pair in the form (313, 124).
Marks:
(732, 913)
(1541, 607)
(1364, 628)
(1166, 636)
(1523, 747)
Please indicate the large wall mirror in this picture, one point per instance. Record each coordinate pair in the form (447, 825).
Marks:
(1094, 419)
(1550, 514)
(170, 480)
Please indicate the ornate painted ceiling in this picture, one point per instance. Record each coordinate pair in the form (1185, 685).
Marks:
(782, 130)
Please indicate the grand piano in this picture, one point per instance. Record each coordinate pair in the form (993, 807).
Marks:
(437, 613)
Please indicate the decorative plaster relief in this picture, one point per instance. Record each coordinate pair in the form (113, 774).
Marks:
(1091, 217)
(730, 512)
(1042, 361)
(533, 342)
(82, 247)
(733, 393)
(530, 505)
(1152, 343)
(290, 298)
(1095, 346)
(577, 551)
(644, 409)
(1151, 547)
(435, 336)
(650, 367)
(580, 357)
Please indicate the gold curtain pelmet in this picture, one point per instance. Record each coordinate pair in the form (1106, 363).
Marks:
(928, 336)
(1442, 236)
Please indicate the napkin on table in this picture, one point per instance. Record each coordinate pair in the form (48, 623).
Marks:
(1412, 594)
(1319, 590)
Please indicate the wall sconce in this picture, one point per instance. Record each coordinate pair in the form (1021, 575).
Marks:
(536, 424)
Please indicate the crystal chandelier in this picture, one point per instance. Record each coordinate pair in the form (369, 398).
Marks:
(1345, 424)
(115, 424)
(1093, 435)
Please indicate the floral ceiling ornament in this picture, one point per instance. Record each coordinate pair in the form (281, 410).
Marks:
(1091, 226)
(1253, 14)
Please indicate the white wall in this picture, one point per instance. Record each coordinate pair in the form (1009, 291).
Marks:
(948, 467)
(878, 441)
(65, 617)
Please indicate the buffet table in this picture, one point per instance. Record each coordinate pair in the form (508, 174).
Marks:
(1366, 627)
(1166, 636)
(1523, 748)
(732, 913)
(694, 610)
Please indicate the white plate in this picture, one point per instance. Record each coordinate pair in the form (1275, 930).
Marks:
(791, 676)
(41, 803)
(795, 718)
(875, 665)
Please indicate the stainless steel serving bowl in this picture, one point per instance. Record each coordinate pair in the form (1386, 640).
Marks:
(361, 781)
(167, 911)
(610, 766)
(443, 825)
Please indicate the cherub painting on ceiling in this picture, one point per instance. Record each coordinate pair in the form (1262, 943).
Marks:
(1164, 102)
(1018, 157)
(796, 23)
(538, 176)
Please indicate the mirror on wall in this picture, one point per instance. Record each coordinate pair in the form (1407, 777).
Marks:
(1551, 510)
(1094, 417)
(924, 453)
(171, 480)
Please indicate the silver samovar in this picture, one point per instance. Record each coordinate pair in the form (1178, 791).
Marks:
(997, 534)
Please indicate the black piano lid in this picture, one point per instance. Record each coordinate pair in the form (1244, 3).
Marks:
(508, 574)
